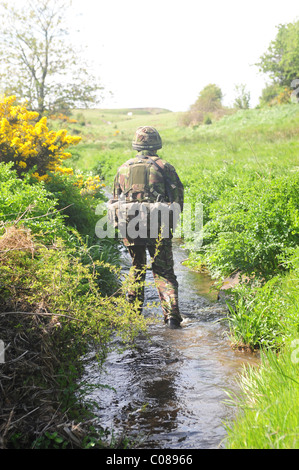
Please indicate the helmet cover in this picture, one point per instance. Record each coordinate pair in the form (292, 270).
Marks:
(147, 138)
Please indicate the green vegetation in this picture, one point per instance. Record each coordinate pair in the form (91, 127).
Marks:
(39, 61)
(60, 287)
(58, 299)
(267, 316)
(206, 108)
(244, 169)
(60, 293)
(268, 408)
(58, 280)
(268, 403)
(242, 99)
(281, 60)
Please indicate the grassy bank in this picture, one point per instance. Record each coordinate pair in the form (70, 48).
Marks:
(267, 416)
(244, 169)
(60, 289)
(58, 299)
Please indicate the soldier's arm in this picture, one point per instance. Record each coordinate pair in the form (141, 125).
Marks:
(116, 187)
(177, 186)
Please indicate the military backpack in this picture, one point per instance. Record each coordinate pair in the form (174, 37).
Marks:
(145, 208)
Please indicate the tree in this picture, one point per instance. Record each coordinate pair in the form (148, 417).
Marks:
(273, 95)
(281, 61)
(209, 98)
(39, 64)
(207, 105)
(242, 99)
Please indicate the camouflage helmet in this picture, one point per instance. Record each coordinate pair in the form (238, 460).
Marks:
(147, 138)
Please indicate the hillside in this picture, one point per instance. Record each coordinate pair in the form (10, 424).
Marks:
(245, 139)
(133, 111)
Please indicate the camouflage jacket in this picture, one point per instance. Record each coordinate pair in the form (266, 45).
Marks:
(140, 180)
(162, 186)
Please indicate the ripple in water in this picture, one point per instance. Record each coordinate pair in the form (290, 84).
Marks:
(169, 390)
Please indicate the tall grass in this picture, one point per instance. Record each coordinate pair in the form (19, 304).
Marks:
(268, 405)
(267, 316)
(267, 415)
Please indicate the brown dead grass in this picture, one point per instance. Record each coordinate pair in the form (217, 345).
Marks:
(16, 238)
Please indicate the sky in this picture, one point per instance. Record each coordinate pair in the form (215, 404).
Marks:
(162, 53)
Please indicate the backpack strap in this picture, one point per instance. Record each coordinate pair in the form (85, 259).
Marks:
(168, 184)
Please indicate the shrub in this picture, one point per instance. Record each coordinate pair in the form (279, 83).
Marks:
(267, 316)
(52, 312)
(252, 225)
(34, 151)
(53, 280)
(208, 102)
(78, 208)
(275, 95)
(242, 99)
(28, 143)
(30, 204)
(207, 120)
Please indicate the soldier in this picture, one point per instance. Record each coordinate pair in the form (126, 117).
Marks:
(149, 179)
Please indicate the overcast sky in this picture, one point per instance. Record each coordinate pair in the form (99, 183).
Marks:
(161, 53)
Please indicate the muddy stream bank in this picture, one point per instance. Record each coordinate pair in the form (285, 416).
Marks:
(169, 390)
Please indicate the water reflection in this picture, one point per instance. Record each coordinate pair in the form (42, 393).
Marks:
(171, 389)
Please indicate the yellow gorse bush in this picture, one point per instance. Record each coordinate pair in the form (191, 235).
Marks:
(89, 186)
(26, 141)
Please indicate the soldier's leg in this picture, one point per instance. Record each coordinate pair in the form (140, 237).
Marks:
(165, 279)
(137, 274)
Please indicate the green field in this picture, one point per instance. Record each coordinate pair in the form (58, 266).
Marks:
(264, 141)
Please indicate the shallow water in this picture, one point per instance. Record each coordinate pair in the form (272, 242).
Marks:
(169, 391)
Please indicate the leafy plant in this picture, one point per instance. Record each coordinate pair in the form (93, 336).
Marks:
(281, 61)
(30, 204)
(252, 224)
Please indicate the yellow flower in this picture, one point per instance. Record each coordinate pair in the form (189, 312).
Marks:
(44, 178)
(23, 138)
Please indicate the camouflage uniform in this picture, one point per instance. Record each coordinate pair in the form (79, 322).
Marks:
(162, 258)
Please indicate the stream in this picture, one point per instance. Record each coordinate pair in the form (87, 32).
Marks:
(169, 391)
